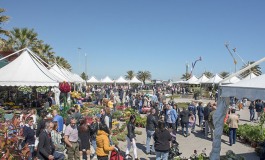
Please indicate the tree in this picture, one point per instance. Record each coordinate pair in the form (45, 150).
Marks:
(143, 76)
(256, 70)
(130, 75)
(84, 76)
(208, 74)
(20, 38)
(3, 19)
(224, 74)
(62, 62)
(186, 76)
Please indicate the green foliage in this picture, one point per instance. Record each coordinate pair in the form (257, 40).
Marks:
(117, 114)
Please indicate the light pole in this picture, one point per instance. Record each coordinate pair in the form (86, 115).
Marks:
(86, 65)
(79, 57)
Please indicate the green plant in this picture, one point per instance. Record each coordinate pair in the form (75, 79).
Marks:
(138, 132)
(116, 114)
(121, 137)
(114, 140)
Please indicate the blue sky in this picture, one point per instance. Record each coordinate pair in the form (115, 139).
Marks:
(155, 35)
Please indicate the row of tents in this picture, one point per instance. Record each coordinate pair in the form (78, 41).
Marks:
(216, 79)
(30, 70)
(108, 80)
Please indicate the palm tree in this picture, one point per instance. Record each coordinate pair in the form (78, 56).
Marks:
(186, 76)
(256, 70)
(22, 38)
(44, 51)
(144, 75)
(224, 74)
(130, 75)
(208, 74)
(3, 19)
(84, 76)
(62, 62)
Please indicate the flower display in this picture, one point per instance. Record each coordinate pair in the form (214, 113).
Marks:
(42, 89)
(25, 89)
(64, 87)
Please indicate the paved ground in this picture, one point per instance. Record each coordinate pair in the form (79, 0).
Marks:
(196, 141)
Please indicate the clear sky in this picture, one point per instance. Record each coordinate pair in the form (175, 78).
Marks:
(159, 36)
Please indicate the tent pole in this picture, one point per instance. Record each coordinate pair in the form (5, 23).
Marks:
(12, 54)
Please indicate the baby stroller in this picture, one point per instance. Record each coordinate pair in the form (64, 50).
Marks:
(174, 150)
(116, 155)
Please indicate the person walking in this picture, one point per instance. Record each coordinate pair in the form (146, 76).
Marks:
(200, 113)
(171, 117)
(232, 122)
(259, 108)
(93, 133)
(184, 116)
(46, 148)
(210, 120)
(103, 142)
(84, 136)
(59, 119)
(192, 108)
(252, 110)
(206, 113)
(151, 124)
(71, 140)
(29, 135)
(162, 139)
(131, 140)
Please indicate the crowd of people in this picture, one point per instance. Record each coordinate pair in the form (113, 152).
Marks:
(50, 136)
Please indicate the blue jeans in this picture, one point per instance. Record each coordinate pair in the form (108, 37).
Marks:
(252, 115)
(94, 144)
(232, 136)
(161, 155)
(149, 134)
(58, 156)
(31, 148)
(200, 120)
(186, 125)
(193, 126)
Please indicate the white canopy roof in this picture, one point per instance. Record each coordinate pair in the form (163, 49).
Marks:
(106, 80)
(203, 79)
(250, 76)
(192, 80)
(251, 88)
(214, 80)
(135, 80)
(92, 80)
(25, 70)
(121, 80)
(57, 71)
(231, 80)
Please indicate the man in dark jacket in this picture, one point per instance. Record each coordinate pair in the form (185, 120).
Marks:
(184, 115)
(93, 133)
(151, 124)
(200, 113)
(206, 113)
(46, 148)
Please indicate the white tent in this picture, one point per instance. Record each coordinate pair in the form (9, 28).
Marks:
(250, 76)
(214, 80)
(56, 71)
(192, 80)
(121, 80)
(202, 79)
(135, 80)
(26, 70)
(106, 80)
(250, 88)
(231, 80)
(92, 80)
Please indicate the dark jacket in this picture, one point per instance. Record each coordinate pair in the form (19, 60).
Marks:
(151, 122)
(93, 130)
(206, 113)
(130, 129)
(162, 139)
(29, 135)
(184, 115)
(200, 111)
(40, 127)
(45, 147)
